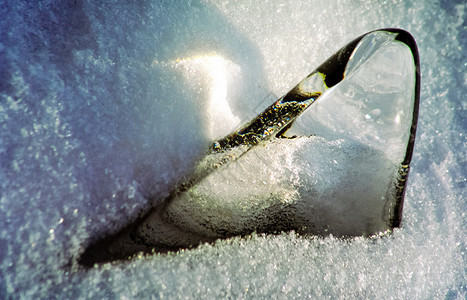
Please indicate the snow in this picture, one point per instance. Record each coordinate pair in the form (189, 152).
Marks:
(103, 110)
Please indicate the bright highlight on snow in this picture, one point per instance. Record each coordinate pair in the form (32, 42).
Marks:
(214, 74)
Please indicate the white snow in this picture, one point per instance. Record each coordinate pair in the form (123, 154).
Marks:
(98, 122)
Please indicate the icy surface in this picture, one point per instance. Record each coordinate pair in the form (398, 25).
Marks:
(96, 118)
(289, 183)
(373, 105)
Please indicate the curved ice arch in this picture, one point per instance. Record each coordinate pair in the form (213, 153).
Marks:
(346, 175)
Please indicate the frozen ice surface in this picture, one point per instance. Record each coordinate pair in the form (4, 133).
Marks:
(373, 105)
(95, 119)
(288, 183)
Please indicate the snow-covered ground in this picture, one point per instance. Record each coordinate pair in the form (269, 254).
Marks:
(104, 106)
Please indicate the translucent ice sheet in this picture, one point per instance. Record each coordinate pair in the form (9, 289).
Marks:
(373, 105)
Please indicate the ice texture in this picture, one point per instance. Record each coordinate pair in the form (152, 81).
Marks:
(97, 124)
(373, 105)
(290, 184)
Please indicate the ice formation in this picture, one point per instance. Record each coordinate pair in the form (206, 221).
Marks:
(95, 119)
(251, 182)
